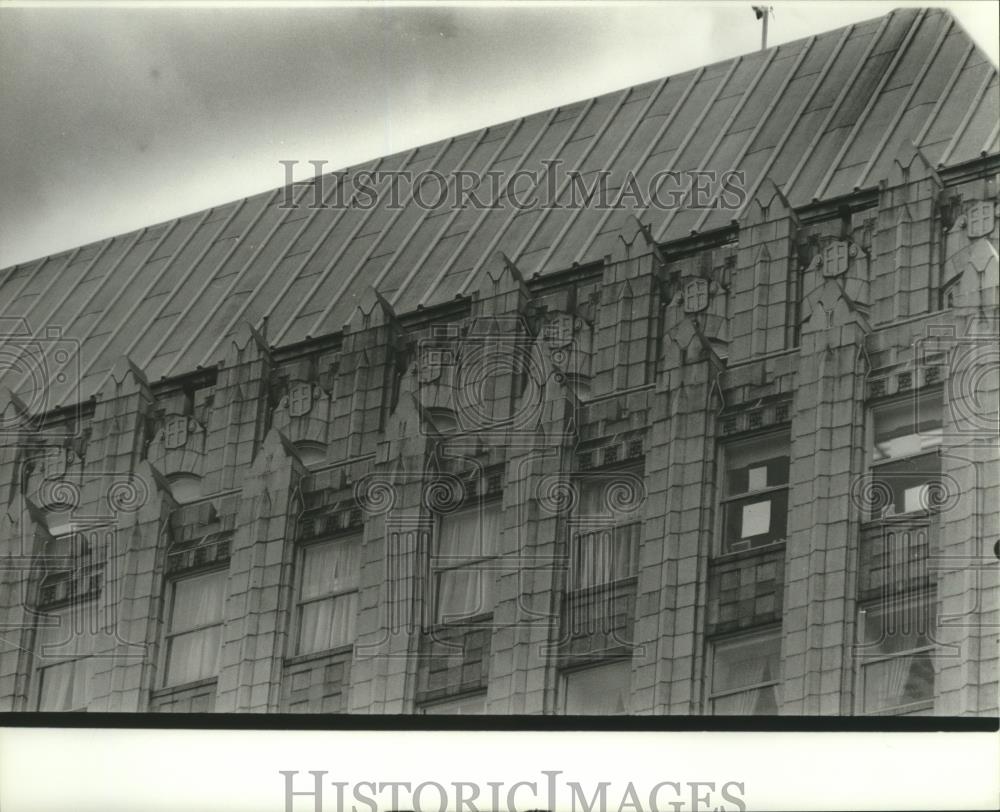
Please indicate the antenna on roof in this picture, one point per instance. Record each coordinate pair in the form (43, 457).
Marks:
(762, 13)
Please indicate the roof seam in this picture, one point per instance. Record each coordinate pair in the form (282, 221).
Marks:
(668, 120)
(491, 247)
(237, 278)
(349, 280)
(640, 119)
(504, 142)
(594, 140)
(835, 107)
(904, 106)
(321, 276)
(756, 130)
(893, 65)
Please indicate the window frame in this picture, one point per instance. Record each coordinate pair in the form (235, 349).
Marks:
(298, 603)
(578, 530)
(473, 562)
(169, 636)
(929, 599)
(874, 465)
(725, 499)
(567, 674)
(425, 708)
(747, 636)
(38, 680)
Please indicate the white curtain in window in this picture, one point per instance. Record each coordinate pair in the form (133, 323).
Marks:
(603, 556)
(194, 655)
(198, 601)
(755, 702)
(885, 682)
(331, 567)
(464, 592)
(470, 533)
(326, 624)
(603, 690)
(743, 663)
(71, 631)
(66, 686)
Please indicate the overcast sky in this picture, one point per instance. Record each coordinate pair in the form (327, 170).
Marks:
(111, 119)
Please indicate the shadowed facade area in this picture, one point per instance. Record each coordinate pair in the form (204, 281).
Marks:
(734, 459)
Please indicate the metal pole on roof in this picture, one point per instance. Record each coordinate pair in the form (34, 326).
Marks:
(762, 13)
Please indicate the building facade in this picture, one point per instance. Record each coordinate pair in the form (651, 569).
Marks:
(540, 460)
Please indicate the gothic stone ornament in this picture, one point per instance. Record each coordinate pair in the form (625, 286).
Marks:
(432, 361)
(695, 294)
(836, 257)
(559, 331)
(979, 219)
(175, 431)
(300, 399)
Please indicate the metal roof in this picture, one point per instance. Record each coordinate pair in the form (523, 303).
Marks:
(821, 117)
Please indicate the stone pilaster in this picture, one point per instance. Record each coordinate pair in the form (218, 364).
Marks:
(680, 472)
(827, 445)
(238, 420)
(259, 588)
(625, 340)
(393, 603)
(759, 293)
(906, 243)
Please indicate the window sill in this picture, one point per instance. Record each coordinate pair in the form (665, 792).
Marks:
(902, 710)
(753, 552)
(170, 690)
(300, 659)
(483, 619)
(621, 584)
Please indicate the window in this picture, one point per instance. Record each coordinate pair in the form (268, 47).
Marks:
(755, 492)
(471, 705)
(64, 649)
(467, 540)
(602, 690)
(606, 530)
(906, 467)
(745, 675)
(896, 668)
(194, 628)
(328, 595)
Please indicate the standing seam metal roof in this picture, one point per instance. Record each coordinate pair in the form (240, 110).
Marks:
(822, 117)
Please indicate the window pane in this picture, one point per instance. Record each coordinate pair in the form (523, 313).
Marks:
(466, 706)
(603, 690)
(756, 702)
(470, 533)
(900, 626)
(745, 662)
(328, 623)
(198, 601)
(464, 592)
(608, 499)
(193, 656)
(74, 634)
(755, 521)
(331, 567)
(65, 687)
(902, 680)
(907, 427)
(756, 464)
(604, 556)
(910, 481)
